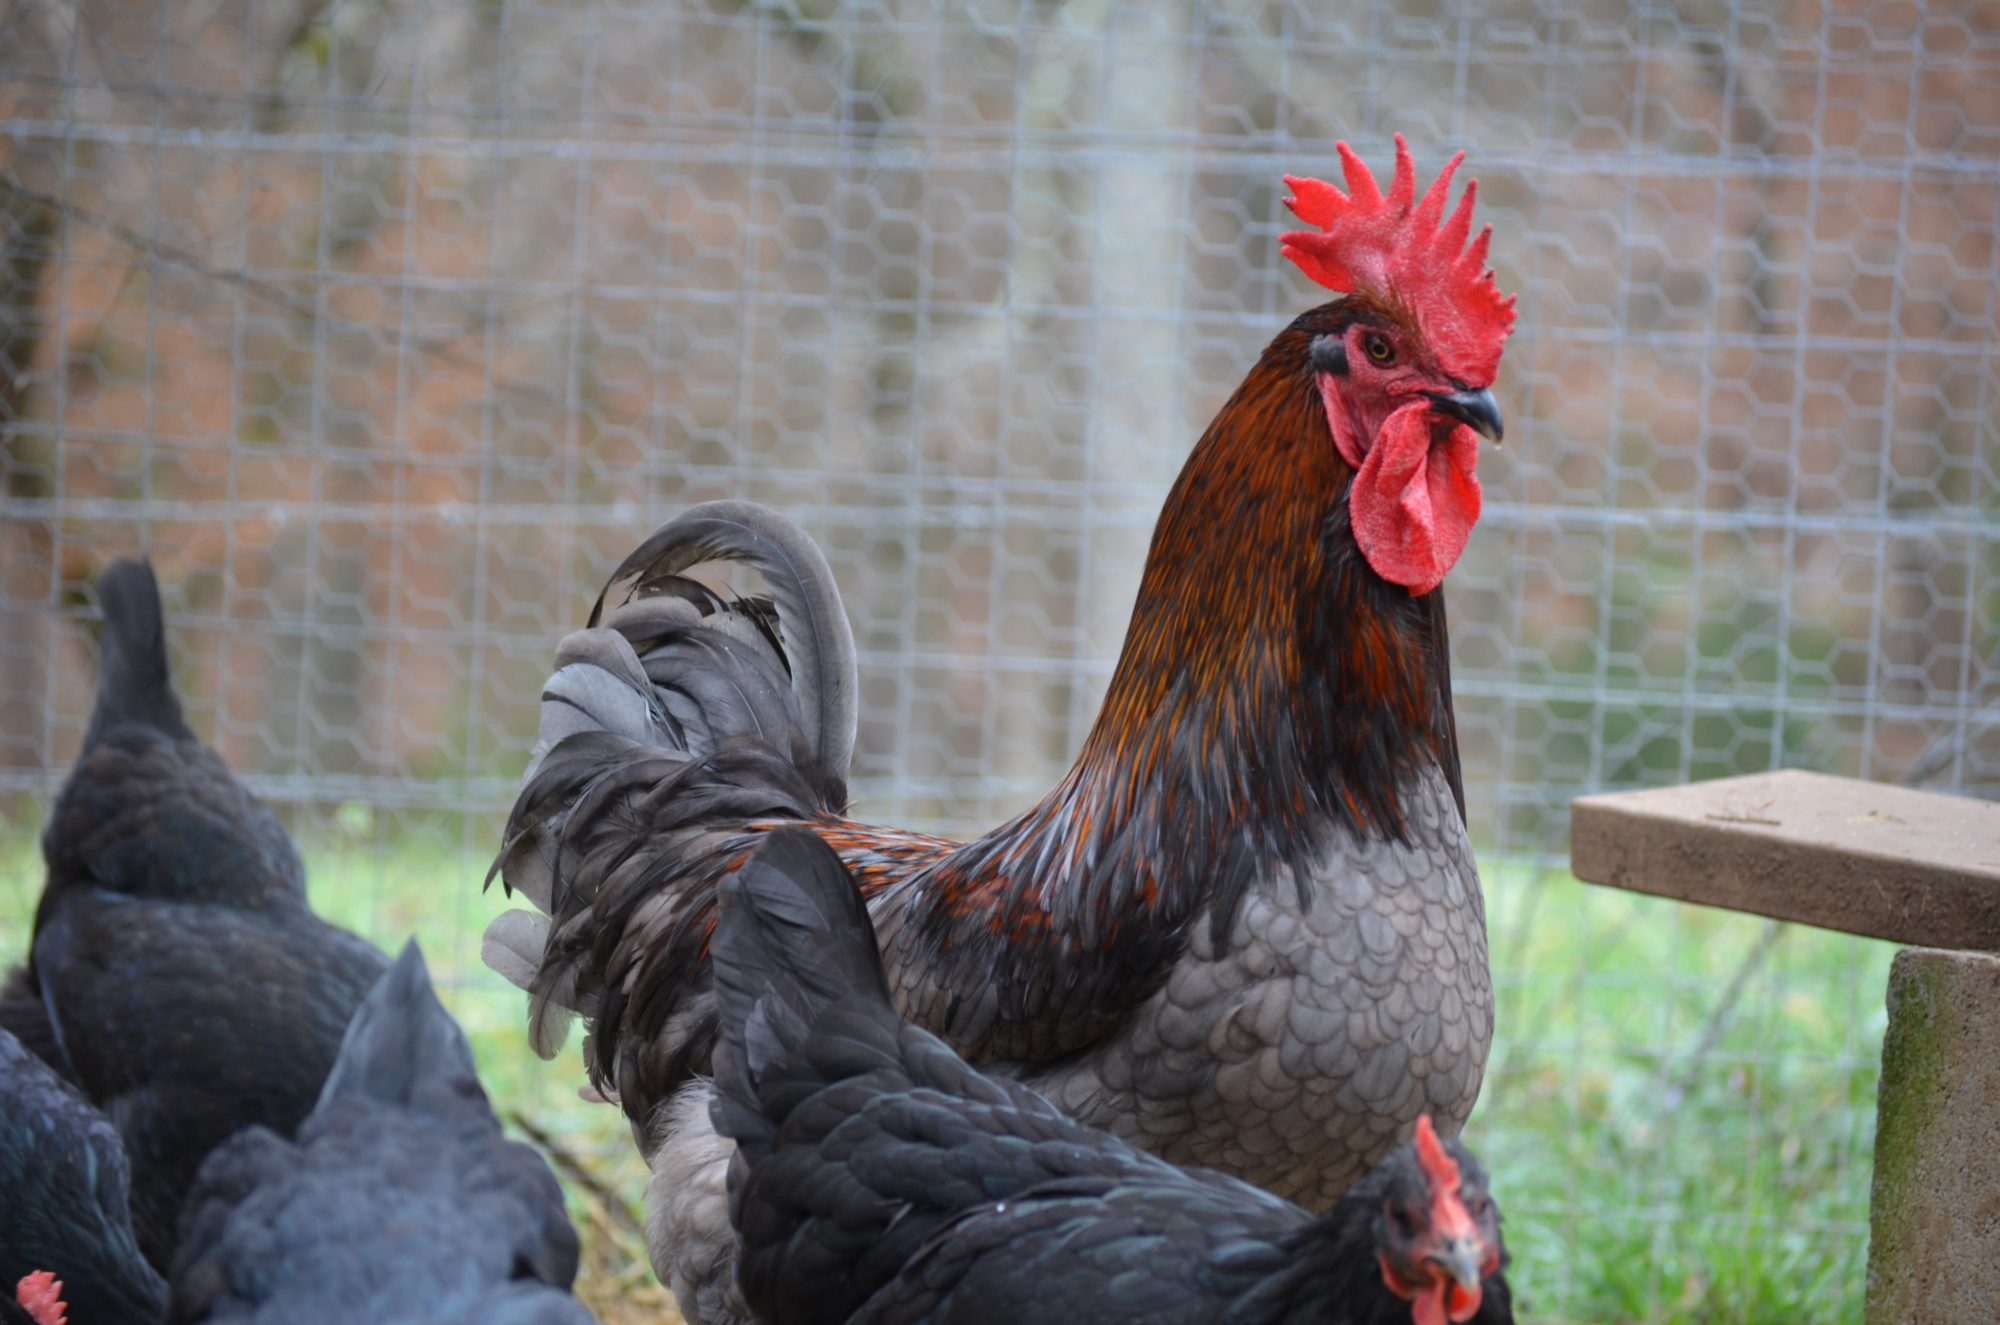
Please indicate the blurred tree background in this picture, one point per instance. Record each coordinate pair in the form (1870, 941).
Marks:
(388, 326)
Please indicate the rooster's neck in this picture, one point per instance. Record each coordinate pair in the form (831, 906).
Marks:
(1272, 687)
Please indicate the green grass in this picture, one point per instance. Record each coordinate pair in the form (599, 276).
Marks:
(1659, 1158)
(1657, 1162)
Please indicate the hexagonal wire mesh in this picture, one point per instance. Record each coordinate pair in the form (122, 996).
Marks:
(387, 327)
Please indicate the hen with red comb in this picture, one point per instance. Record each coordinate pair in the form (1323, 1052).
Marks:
(881, 1178)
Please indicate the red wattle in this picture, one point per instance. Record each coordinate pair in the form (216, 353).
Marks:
(1413, 504)
(1427, 1307)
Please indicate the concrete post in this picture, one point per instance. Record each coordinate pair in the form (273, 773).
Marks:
(1934, 1218)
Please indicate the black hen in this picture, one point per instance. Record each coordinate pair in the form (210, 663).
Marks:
(63, 1187)
(190, 991)
(400, 1200)
(880, 1178)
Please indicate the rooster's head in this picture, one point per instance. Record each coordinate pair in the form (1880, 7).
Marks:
(1438, 1235)
(1407, 369)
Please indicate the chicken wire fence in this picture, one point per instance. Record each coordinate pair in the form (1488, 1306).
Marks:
(388, 327)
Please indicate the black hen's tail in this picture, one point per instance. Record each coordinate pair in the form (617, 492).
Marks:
(148, 810)
(793, 942)
(132, 681)
(809, 1044)
(403, 1049)
(678, 713)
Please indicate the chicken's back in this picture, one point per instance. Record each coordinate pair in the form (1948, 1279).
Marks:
(376, 1217)
(1093, 1249)
(187, 1023)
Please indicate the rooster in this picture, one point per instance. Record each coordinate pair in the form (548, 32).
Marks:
(881, 1178)
(1244, 932)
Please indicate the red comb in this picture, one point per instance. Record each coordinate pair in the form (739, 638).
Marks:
(1406, 251)
(41, 1293)
(1438, 1165)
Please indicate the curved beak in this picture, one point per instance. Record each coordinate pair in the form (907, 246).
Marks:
(1459, 1260)
(1476, 409)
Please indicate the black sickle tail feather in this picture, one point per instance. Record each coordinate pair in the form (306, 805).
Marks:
(678, 715)
(132, 680)
(803, 616)
(793, 941)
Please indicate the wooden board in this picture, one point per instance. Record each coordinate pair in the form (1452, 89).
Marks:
(1882, 861)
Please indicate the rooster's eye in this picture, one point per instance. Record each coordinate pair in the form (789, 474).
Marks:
(1378, 347)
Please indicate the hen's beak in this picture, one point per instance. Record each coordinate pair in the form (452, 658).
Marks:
(1476, 409)
(1459, 1260)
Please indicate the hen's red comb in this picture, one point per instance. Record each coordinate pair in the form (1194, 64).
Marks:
(41, 1293)
(1406, 251)
(1438, 1165)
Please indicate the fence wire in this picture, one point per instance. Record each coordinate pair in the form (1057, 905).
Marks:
(387, 327)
